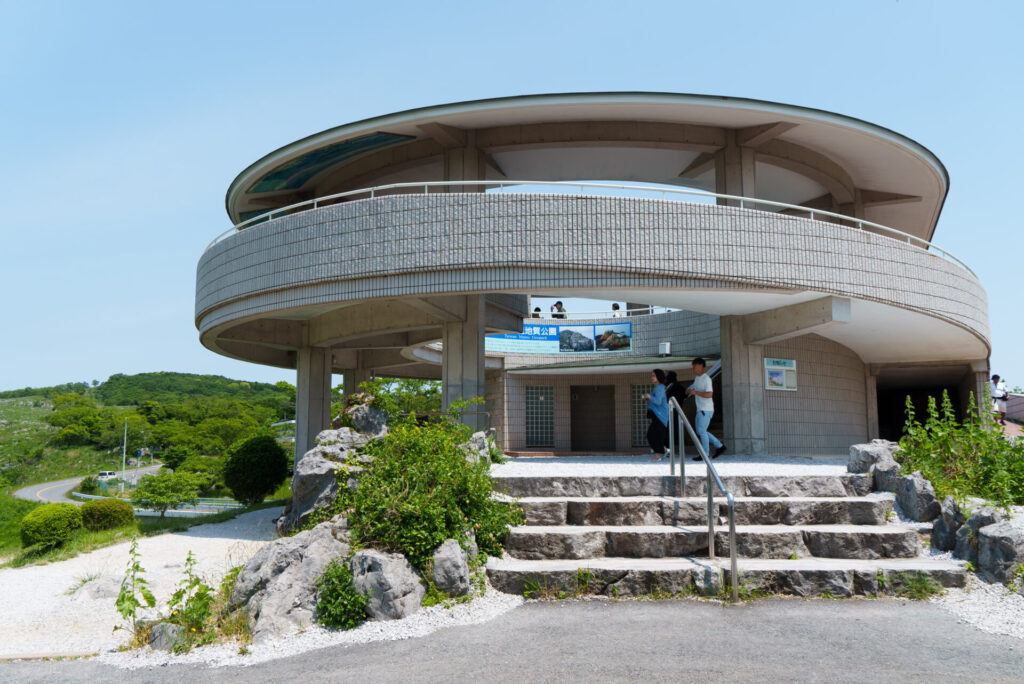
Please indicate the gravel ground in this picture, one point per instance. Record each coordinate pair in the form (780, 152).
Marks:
(641, 465)
(420, 624)
(68, 607)
(990, 607)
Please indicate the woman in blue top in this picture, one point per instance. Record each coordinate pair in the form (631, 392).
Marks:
(657, 411)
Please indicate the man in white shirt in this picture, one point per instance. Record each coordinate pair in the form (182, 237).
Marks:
(702, 393)
(999, 395)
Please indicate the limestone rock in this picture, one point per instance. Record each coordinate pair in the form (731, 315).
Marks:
(362, 416)
(278, 584)
(967, 536)
(864, 456)
(315, 479)
(389, 582)
(886, 474)
(945, 526)
(450, 570)
(916, 497)
(1000, 551)
(478, 447)
(164, 635)
(472, 549)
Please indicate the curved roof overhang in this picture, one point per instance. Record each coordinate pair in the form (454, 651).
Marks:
(803, 156)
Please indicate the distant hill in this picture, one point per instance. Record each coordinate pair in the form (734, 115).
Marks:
(128, 390)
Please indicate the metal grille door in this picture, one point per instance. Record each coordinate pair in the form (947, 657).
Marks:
(540, 416)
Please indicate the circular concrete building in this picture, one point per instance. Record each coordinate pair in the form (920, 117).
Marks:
(792, 244)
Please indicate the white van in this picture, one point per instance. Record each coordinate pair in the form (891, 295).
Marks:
(106, 475)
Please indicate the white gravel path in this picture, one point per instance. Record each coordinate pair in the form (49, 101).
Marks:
(38, 617)
(990, 607)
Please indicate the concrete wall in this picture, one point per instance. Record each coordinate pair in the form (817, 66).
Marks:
(828, 412)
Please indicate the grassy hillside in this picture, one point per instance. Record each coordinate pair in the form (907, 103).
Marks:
(132, 390)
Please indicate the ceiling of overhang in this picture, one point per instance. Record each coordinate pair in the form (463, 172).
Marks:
(646, 137)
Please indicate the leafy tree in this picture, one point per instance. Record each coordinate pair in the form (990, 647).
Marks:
(167, 490)
(176, 454)
(255, 468)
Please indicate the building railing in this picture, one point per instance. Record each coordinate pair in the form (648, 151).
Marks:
(508, 185)
(676, 447)
(621, 313)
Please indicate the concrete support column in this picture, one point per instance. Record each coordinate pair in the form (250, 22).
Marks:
(462, 363)
(871, 400)
(467, 162)
(735, 171)
(353, 378)
(312, 397)
(742, 404)
(976, 382)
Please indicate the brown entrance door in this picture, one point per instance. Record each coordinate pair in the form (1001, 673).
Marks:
(592, 416)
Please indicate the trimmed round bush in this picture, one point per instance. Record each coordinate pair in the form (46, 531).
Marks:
(50, 524)
(106, 514)
(255, 468)
(339, 604)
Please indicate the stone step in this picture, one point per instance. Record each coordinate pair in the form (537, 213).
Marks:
(844, 485)
(624, 577)
(663, 510)
(752, 541)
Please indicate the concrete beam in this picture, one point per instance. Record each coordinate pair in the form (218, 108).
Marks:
(441, 308)
(368, 320)
(446, 136)
(268, 332)
(766, 327)
(755, 136)
(811, 164)
(880, 198)
(704, 162)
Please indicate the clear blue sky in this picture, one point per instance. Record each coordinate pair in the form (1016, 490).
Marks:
(122, 124)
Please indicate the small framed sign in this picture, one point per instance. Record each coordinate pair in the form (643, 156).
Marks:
(780, 374)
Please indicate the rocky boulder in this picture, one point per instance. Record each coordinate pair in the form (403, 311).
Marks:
(864, 456)
(389, 582)
(967, 536)
(478, 448)
(1000, 551)
(163, 636)
(450, 568)
(315, 478)
(945, 526)
(886, 474)
(916, 497)
(278, 584)
(361, 416)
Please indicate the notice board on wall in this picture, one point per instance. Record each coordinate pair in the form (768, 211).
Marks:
(780, 374)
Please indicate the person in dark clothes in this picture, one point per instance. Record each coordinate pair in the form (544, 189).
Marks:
(675, 390)
(657, 411)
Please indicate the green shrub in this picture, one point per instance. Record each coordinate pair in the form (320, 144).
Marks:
(106, 514)
(167, 490)
(969, 458)
(421, 490)
(176, 454)
(338, 603)
(255, 468)
(50, 524)
(89, 485)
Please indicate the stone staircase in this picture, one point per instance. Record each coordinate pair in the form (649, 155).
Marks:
(806, 535)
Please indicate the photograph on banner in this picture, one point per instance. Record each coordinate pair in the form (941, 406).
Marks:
(564, 339)
(575, 339)
(613, 337)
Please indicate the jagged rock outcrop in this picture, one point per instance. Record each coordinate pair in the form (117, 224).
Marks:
(478, 448)
(450, 568)
(361, 416)
(946, 525)
(278, 584)
(967, 536)
(1000, 551)
(389, 582)
(315, 478)
(916, 497)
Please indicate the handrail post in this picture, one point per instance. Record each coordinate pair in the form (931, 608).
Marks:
(671, 440)
(711, 517)
(733, 572)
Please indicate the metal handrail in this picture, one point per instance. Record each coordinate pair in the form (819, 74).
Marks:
(501, 185)
(712, 476)
(623, 313)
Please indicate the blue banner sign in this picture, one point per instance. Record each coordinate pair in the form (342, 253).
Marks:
(538, 338)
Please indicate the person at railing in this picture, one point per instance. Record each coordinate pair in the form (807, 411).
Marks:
(557, 311)
(702, 392)
(536, 312)
(615, 311)
(657, 411)
(674, 390)
(997, 389)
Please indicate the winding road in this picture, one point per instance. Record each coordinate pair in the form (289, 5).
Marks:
(57, 491)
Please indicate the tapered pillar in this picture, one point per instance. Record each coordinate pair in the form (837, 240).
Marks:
(462, 365)
(742, 406)
(312, 397)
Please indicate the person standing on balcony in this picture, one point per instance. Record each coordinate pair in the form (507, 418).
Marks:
(615, 311)
(657, 411)
(557, 311)
(702, 392)
(999, 396)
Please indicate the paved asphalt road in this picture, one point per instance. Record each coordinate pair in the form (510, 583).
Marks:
(637, 641)
(58, 491)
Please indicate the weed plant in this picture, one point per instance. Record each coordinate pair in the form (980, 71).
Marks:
(968, 458)
(134, 592)
(339, 604)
